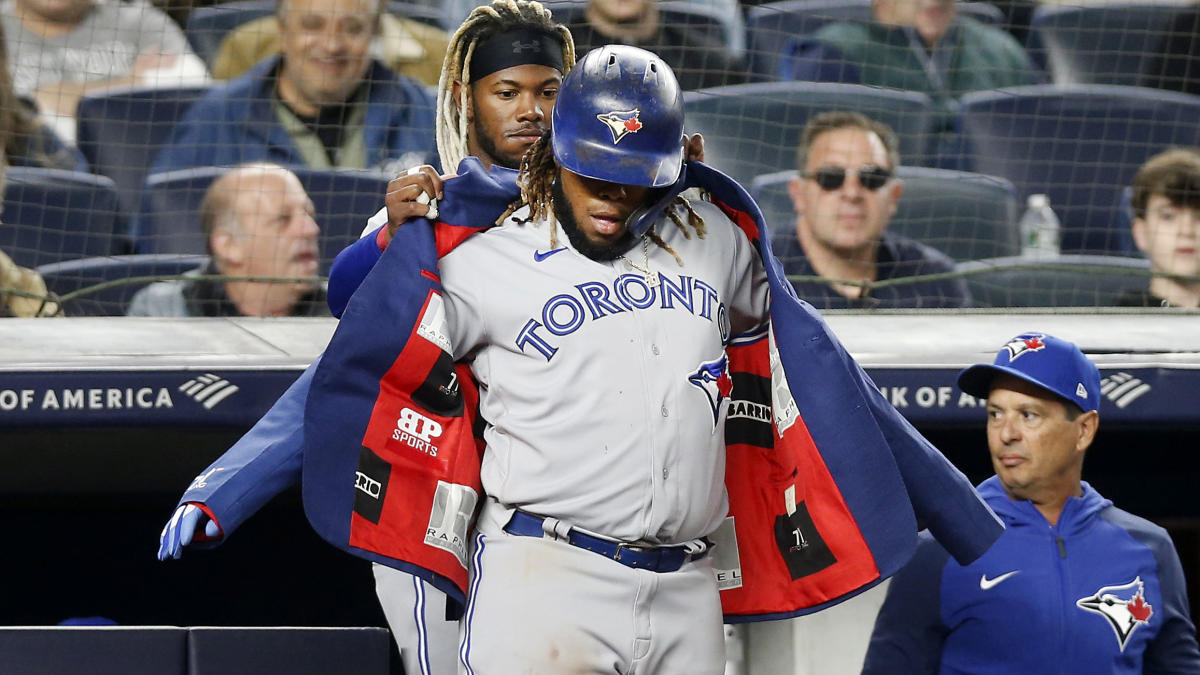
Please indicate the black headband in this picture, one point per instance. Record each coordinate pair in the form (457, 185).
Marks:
(518, 47)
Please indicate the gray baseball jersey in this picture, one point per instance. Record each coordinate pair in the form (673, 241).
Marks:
(598, 379)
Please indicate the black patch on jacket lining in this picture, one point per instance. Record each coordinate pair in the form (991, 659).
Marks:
(807, 552)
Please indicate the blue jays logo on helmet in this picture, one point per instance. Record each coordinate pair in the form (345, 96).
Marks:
(621, 123)
(636, 98)
(1124, 607)
(1024, 344)
(712, 378)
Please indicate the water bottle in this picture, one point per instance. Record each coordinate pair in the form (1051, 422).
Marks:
(1039, 228)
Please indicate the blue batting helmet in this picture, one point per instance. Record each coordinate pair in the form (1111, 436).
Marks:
(619, 118)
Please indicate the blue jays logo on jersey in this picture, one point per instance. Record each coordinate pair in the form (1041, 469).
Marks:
(621, 123)
(712, 378)
(1024, 345)
(1124, 607)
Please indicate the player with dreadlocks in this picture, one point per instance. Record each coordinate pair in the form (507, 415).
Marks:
(501, 75)
(497, 88)
(502, 72)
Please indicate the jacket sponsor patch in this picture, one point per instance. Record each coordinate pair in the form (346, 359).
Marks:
(440, 392)
(370, 484)
(727, 563)
(785, 409)
(748, 419)
(450, 517)
(802, 547)
(433, 323)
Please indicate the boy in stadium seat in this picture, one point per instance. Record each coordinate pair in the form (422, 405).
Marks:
(844, 197)
(1166, 227)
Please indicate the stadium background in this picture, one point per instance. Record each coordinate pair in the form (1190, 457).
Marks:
(83, 496)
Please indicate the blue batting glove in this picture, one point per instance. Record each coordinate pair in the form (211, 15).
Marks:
(181, 529)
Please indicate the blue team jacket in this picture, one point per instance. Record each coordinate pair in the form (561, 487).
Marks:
(1101, 592)
(236, 123)
(883, 469)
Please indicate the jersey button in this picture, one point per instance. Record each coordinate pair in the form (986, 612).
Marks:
(654, 348)
(666, 473)
(664, 411)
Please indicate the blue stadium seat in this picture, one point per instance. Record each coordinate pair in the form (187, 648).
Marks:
(1106, 43)
(1066, 281)
(70, 276)
(208, 25)
(120, 132)
(1079, 144)
(770, 26)
(751, 129)
(169, 219)
(964, 215)
(51, 215)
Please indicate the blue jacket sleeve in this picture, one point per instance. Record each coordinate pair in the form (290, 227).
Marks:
(349, 269)
(1174, 648)
(909, 632)
(264, 462)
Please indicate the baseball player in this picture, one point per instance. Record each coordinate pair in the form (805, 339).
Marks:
(600, 373)
(1074, 585)
(500, 77)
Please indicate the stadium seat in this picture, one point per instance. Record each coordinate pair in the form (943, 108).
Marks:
(169, 218)
(120, 131)
(208, 25)
(70, 276)
(51, 215)
(1104, 43)
(1066, 281)
(964, 215)
(751, 129)
(770, 26)
(1079, 144)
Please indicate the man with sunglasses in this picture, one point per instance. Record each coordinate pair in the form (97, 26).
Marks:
(845, 195)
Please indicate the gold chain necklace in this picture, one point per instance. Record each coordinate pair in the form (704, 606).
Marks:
(644, 268)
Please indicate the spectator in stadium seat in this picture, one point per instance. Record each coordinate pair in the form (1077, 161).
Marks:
(28, 141)
(845, 195)
(1074, 585)
(1166, 227)
(697, 61)
(258, 221)
(62, 49)
(406, 46)
(1176, 65)
(915, 45)
(323, 102)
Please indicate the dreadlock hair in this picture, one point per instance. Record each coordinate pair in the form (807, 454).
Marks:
(483, 23)
(538, 173)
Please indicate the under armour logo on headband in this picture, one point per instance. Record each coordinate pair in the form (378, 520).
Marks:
(519, 46)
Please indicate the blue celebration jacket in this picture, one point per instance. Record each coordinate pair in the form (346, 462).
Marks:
(857, 469)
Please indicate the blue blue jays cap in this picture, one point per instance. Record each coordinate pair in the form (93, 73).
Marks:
(1053, 364)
